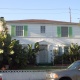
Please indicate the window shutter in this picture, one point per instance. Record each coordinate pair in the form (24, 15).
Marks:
(59, 31)
(25, 30)
(70, 32)
(13, 30)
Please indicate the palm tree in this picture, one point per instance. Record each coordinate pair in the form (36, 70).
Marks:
(74, 51)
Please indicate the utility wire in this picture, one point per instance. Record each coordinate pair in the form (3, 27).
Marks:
(75, 9)
(31, 9)
(33, 13)
(37, 9)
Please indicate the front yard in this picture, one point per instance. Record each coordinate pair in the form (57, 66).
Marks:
(44, 67)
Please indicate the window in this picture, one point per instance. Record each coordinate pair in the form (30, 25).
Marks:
(19, 30)
(64, 31)
(42, 29)
(66, 49)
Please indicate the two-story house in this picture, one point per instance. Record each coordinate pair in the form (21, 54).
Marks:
(50, 34)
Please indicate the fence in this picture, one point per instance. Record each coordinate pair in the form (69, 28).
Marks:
(23, 74)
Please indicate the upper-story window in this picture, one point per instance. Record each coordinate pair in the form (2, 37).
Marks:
(64, 31)
(42, 29)
(19, 30)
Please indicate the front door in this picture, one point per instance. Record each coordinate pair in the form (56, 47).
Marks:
(43, 54)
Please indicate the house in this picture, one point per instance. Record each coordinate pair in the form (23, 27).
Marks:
(51, 35)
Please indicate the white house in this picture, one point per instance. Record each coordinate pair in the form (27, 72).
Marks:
(50, 35)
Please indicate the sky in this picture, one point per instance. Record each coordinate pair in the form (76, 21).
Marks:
(58, 10)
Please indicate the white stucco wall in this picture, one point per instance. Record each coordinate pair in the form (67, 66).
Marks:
(50, 36)
(76, 31)
(50, 30)
(34, 30)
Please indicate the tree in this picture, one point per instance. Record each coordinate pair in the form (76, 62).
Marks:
(11, 51)
(32, 53)
(74, 52)
(5, 41)
(19, 58)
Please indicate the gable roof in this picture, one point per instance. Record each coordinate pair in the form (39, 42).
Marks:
(41, 21)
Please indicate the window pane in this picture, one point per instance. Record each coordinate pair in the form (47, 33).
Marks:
(19, 30)
(64, 31)
(42, 29)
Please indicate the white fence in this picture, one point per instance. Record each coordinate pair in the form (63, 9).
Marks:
(23, 74)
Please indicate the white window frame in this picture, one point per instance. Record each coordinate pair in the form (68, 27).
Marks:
(42, 29)
(61, 31)
(20, 30)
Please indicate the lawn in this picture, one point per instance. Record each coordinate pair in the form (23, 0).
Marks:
(44, 67)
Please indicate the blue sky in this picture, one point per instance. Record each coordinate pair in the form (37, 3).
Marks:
(40, 9)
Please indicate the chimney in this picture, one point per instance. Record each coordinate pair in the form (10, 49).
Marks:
(2, 17)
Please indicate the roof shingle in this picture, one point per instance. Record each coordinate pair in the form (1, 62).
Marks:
(43, 21)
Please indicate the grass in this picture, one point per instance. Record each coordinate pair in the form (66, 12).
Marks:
(44, 67)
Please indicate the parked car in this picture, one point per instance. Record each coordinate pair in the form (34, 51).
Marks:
(71, 73)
